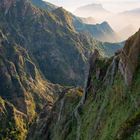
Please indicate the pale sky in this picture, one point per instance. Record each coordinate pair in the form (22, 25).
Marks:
(111, 5)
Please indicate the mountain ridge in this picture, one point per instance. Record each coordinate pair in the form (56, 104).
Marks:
(38, 47)
(101, 109)
(95, 30)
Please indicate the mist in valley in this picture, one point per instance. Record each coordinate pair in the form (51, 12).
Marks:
(124, 23)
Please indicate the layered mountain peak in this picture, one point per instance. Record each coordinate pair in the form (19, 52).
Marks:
(105, 26)
(65, 16)
(105, 23)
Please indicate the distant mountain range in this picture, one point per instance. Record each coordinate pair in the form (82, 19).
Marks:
(102, 32)
(127, 31)
(95, 10)
(128, 21)
(88, 20)
(125, 23)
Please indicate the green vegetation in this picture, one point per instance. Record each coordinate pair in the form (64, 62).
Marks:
(12, 122)
(111, 109)
(36, 45)
(113, 114)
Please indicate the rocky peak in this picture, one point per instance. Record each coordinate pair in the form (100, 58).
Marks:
(129, 58)
(92, 64)
(65, 17)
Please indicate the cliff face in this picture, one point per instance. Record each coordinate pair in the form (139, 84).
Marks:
(112, 96)
(34, 44)
(19, 76)
(23, 91)
(114, 87)
(109, 108)
(129, 58)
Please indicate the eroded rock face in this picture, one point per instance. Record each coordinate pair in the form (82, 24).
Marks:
(49, 38)
(125, 61)
(92, 69)
(102, 71)
(129, 58)
(111, 72)
(20, 81)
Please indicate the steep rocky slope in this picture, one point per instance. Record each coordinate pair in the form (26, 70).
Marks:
(27, 37)
(50, 42)
(58, 50)
(19, 77)
(109, 108)
(23, 91)
(102, 32)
